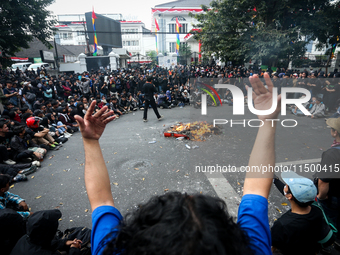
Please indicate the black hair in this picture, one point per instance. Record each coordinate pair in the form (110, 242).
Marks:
(24, 109)
(54, 102)
(298, 202)
(18, 129)
(26, 115)
(4, 179)
(149, 78)
(11, 115)
(177, 223)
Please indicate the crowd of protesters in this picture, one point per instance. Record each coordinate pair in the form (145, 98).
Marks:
(45, 105)
(37, 109)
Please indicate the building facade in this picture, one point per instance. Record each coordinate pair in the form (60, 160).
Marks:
(137, 40)
(71, 28)
(166, 14)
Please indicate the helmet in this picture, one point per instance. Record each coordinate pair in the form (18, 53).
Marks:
(32, 122)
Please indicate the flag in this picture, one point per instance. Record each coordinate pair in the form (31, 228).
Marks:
(94, 34)
(333, 50)
(156, 24)
(178, 25)
(156, 29)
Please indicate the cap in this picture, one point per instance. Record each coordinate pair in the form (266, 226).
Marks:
(302, 188)
(334, 123)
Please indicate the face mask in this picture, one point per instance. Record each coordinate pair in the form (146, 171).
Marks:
(284, 192)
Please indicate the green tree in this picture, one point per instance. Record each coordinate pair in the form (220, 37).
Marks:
(184, 52)
(153, 55)
(266, 30)
(20, 22)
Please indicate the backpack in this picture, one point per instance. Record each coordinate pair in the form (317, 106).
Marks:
(329, 231)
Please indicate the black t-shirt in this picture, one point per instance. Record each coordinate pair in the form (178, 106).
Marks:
(296, 233)
(330, 173)
(32, 131)
(6, 140)
(149, 89)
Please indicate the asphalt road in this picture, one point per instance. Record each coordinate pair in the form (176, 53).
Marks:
(139, 169)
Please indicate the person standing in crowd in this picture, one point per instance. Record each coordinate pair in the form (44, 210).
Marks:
(3, 99)
(11, 93)
(328, 181)
(149, 89)
(85, 87)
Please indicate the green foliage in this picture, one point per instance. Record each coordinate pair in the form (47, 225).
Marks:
(184, 50)
(266, 30)
(20, 21)
(153, 55)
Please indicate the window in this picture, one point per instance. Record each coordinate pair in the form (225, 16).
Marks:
(172, 47)
(183, 29)
(172, 28)
(183, 44)
(135, 43)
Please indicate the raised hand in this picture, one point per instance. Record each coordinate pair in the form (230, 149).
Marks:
(92, 126)
(263, 98)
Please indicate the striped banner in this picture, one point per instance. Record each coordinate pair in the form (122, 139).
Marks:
(178, 42)
(94, 34)
(156, 29)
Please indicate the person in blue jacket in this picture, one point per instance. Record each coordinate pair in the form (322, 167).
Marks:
(177, 223)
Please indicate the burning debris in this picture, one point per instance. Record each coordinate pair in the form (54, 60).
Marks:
(196, 131)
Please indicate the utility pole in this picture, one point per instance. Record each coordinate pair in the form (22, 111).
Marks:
(87, 40)
(56, 55)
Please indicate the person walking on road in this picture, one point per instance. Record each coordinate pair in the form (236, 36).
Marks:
(149, 89)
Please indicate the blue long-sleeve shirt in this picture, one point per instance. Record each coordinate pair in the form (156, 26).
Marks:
(11, 198)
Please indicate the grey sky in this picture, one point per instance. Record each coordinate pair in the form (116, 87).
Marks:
(130, 9)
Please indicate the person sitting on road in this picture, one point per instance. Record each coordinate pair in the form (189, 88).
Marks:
(40, 235)
(177, 223)
(298, 230)
(9, 200)
(318, 109)
(23, 147)
(39, 134)
(6, 154)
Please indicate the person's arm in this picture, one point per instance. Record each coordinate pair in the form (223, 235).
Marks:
(263, 153)
(323, 188)
(97, 180)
